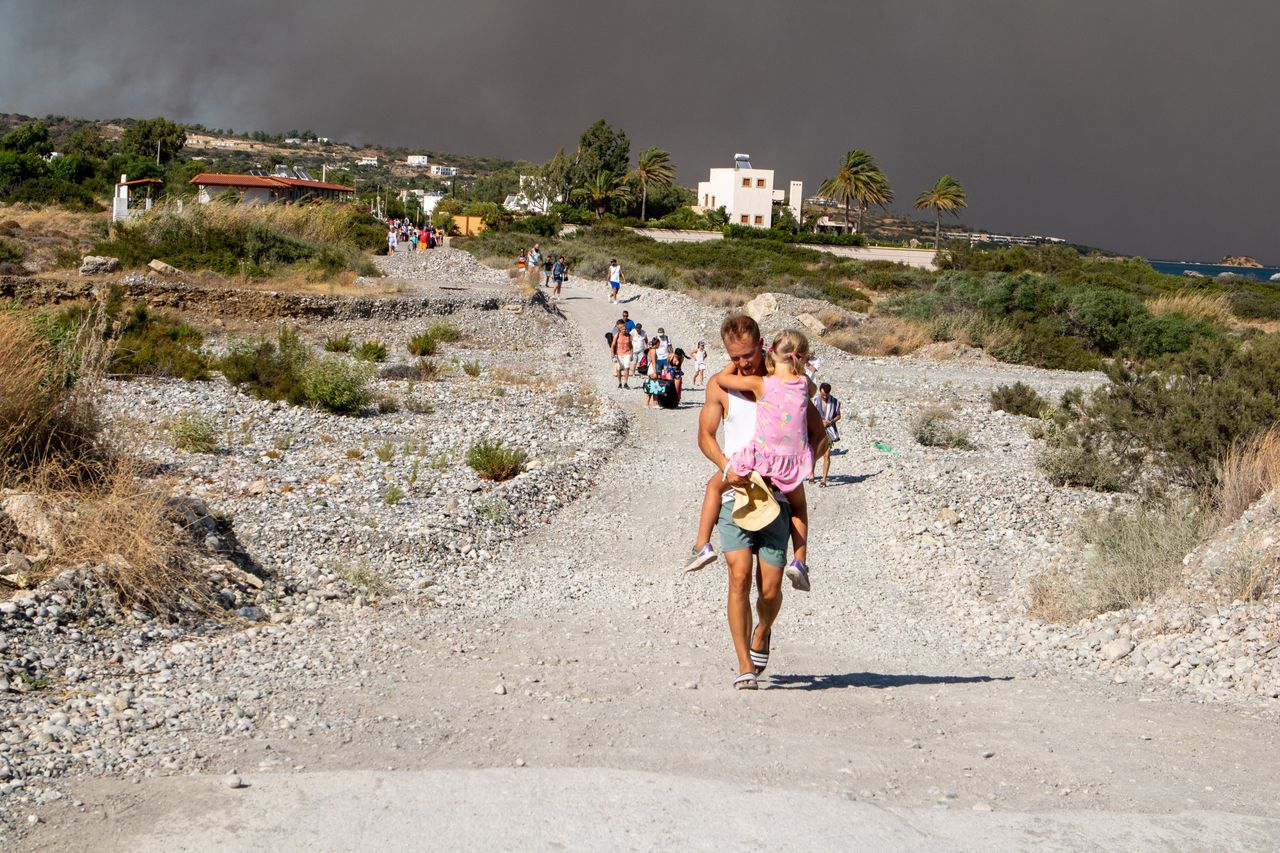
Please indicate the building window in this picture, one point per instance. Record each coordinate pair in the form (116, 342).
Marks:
(744, 219)
(760, 183)
(705, 199)
(746, 182)
(759, 220)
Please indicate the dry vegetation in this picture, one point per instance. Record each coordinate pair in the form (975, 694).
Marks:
(1212, 308)
(1137, 556)
(879, 336)
(87, 501)
(50, 235)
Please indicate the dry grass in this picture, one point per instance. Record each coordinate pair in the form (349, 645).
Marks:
(1212, 308)
(726, 299)
(1249, 471)
(124, 523)
(529, 379)
(101, 509)
(47, 416)
(879, 336)
(49, 231)
(1130, 557)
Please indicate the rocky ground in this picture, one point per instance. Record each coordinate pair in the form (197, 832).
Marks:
(543, 622)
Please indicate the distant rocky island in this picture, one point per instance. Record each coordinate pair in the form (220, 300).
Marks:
(1238, 261)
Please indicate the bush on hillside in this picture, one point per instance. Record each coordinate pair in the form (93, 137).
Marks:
(251, 240)
(1018, 399)
(342, 344)
(151, 344)
(937, 427)
(1181, 415)
(269, 370)
(371, 351)
(494, 460)
(337, 384)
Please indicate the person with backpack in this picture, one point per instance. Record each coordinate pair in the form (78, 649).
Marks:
(547, 266)
(620, 349)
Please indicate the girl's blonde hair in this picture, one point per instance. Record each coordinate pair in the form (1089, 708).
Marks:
(790, 345)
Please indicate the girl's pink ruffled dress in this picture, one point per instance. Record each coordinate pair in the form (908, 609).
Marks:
(780, 449)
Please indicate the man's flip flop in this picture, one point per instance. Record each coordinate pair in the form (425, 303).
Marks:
(746, 681)
(760, 659)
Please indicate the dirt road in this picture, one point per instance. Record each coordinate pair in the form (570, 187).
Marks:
(596, 713)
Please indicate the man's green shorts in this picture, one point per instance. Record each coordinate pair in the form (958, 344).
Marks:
(770, 544)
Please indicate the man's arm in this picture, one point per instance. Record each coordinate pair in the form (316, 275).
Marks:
(713, 411)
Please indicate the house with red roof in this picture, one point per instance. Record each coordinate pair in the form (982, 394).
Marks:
(284, 186)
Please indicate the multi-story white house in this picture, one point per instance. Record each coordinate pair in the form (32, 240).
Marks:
(444, 171)
(745, 193)
(418, 160)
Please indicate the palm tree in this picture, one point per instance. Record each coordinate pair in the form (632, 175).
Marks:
(946, 195)
(602, 189)
(653, 166)
(861, 180)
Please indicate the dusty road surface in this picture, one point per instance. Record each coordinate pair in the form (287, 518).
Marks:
(595, 711)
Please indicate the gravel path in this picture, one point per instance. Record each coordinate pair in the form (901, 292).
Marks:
(904, 691)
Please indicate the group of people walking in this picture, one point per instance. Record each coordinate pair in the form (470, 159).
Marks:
(403, 232)
(533, 262)
(657, 363)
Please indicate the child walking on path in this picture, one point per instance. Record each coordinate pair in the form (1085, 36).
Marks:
(779, 451)
(700, 365)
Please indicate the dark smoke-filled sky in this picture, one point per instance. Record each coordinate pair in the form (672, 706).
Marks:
(1144, 126)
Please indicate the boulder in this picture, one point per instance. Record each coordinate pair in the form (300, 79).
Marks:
(1192, 274)
(98, 265)
(764, 305)
(812, 324)
(162, 268)
(33, 519)
(1275, 277)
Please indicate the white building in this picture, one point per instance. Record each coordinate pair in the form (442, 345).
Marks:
(745, 193)
(425, 198)
(418, 160)
(444, 171)
(530, 199)
(367, 161)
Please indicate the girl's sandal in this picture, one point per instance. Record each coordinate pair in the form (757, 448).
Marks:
(746, 681)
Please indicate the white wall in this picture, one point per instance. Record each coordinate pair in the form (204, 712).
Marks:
(724, 189)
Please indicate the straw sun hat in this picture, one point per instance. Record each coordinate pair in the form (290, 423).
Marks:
(754, 506)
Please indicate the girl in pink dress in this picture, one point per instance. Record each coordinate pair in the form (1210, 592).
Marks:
(779, 451)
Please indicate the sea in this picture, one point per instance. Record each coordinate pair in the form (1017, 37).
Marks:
(1211, 270)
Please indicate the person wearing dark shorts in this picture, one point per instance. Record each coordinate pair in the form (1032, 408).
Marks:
(559, 272)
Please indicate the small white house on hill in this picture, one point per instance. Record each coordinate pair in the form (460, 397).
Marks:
(745, 193)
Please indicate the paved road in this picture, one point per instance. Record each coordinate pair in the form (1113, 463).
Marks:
(922, 258)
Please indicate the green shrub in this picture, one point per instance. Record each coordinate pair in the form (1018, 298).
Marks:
(400, 371)
(337, 385)
(1180, 415)
(423, 344)
(445, 333)
(371, 351)
(194, 433)
(269, 370)
(428, 369)
(1018, 399)
(151, 344)
(342, 344)
(471, 368)
(494, 460)
(393, 494)
(936, 427)
(10, 252)
(1070, 455)
(541, 224)
(385, 452)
